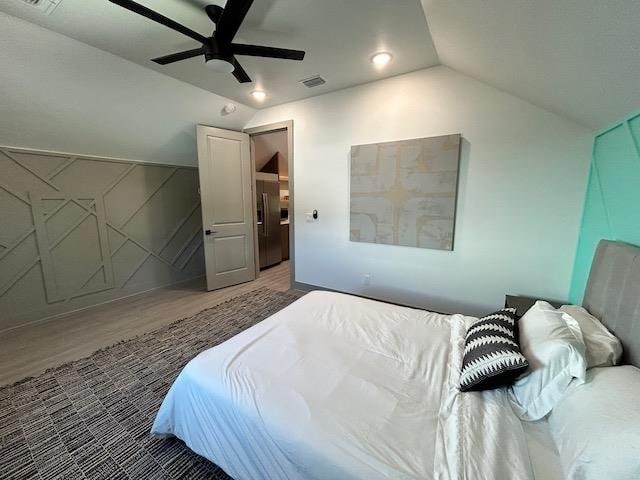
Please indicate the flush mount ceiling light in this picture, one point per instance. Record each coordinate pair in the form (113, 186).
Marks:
(259, 95)
(381, 58)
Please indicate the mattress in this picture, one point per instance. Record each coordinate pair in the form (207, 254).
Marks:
(336, 386)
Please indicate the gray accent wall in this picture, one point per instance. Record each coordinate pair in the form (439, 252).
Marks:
(77, 231)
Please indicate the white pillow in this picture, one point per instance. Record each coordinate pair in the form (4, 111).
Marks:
(552, 343)
(596, 426)
(603, 348)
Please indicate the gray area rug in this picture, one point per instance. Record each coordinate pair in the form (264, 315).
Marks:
(91, 418)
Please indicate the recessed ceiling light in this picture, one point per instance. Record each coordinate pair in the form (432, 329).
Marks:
(259, 95)
(381, 58)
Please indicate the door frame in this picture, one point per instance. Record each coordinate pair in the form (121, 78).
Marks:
(259, 130)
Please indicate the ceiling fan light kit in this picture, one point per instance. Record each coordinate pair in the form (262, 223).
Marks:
(218, 50)
(217, 60)
(220, 66)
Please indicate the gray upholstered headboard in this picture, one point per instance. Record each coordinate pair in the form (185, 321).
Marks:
(613, 294)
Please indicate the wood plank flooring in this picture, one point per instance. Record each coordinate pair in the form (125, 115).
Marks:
(31, 349)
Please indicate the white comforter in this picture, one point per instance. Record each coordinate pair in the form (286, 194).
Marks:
(339, 387)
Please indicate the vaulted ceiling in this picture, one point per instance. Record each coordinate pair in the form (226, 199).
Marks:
(339, 37)
(578, 58)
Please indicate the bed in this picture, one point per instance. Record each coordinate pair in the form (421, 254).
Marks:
(337, 386)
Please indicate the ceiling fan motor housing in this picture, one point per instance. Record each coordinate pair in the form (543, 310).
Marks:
(213, 50)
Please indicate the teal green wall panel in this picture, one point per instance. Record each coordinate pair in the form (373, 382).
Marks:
(594, 227)
(634, 126)
(616, 160)
(612, 203)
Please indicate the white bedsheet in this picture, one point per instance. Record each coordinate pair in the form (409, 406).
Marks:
(339, 387)
(544, 455)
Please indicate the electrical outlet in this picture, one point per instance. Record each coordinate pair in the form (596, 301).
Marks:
(366, 278)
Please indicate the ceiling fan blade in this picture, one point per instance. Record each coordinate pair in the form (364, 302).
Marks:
(271, 52)
(239, 72)
(231, 19)
(161, 19)
(176, 57)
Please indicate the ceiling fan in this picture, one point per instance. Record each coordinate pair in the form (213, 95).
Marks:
(219, 50)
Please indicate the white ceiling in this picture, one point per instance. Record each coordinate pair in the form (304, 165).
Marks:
(578, 58)
(339, 37)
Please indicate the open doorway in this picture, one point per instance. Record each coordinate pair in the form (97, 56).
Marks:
(272, 167)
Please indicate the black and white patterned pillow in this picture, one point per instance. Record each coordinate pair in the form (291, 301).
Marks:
(492, 355)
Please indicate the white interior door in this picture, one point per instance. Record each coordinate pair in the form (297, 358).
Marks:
(227, 206)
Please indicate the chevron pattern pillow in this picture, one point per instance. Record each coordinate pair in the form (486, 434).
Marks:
(492, 355)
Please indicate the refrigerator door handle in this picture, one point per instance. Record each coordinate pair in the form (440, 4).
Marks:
(265, 215)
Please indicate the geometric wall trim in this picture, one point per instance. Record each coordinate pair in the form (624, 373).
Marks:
(612, 201)
(78, 230)
(89, 208)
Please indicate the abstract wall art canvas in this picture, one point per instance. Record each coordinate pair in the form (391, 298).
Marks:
(404, 192)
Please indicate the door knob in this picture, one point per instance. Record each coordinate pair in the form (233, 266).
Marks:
(209, 232)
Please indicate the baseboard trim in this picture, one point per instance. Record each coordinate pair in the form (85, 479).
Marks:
(307, 287)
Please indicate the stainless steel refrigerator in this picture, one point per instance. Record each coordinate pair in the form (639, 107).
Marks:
(268, 198)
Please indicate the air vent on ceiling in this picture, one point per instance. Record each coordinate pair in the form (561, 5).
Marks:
(45, 6)
(313, 81)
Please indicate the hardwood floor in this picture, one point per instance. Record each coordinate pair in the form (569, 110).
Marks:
(31, 349)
